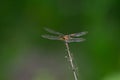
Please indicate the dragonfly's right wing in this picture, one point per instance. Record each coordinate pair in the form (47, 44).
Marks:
(52, 31)
(50, 37)
(75, 40)
(79, 34)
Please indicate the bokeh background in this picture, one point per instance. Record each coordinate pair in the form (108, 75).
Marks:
(25, 55)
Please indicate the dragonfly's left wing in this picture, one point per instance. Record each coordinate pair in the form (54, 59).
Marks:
(50, 37)
(79, 34)
(75, 40)
(52, 31)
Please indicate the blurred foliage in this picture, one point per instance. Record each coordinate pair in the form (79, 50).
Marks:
(21, 27)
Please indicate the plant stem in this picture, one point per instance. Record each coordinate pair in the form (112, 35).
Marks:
(71, 61)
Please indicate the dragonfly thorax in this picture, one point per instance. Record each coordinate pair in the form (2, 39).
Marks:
(65, 37)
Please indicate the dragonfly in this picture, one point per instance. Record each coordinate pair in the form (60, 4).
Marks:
(68, 38)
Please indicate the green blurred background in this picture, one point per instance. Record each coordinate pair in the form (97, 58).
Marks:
(25, 55)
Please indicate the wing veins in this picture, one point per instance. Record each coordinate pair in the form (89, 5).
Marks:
(50, 37)
(52, 31)
(79, 34)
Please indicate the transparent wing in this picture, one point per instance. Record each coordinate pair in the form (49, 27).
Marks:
(79, 34)
(52, 31)
(75, 40)
(50, 37)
